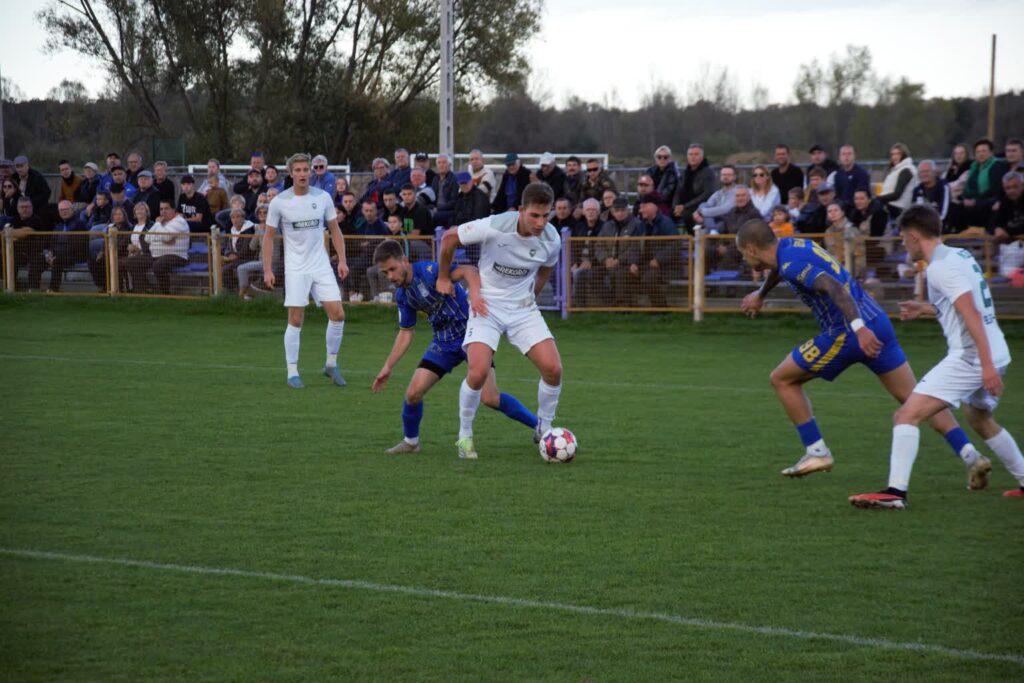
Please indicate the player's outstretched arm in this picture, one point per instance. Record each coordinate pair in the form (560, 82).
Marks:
(827, 284)
(976, 328)
(267, 255)
(339, 246)
(471, 276)
(912, 310)
(449, 243)
(403, 340)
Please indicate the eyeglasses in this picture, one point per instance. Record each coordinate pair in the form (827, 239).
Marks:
(661, 156)
(760, 175)
(319, 167)
(593, 170)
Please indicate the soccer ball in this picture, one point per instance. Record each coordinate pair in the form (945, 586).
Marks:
(558, 445)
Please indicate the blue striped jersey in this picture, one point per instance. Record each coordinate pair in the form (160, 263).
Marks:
(800, 261)
(447, 315)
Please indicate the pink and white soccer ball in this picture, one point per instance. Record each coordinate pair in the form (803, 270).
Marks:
(558, 445)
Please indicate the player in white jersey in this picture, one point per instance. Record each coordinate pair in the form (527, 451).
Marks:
(970, 373)
(518, 251)
(302, 213)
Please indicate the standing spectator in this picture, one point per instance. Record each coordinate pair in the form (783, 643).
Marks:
(513, 183)
(424, 193)
(31, 183)
(645, 185)
(163, 184)
(763, 193)
(90, 184)
(710, 213)
(563, 217)
(1008, 221)
(786, 175)
(272, 179)
(28, 248)
(901, 181)
(134, 167)
(665, 174)
(168, 245)
(959, 163)
(193, 207)
(400, 173)
(422, 162)
(446, 190)
(137, 251)
(147, 193)
(375, 189)
(696, 185)
(212, 168)
(660, 258)
(471, 203)
(820, 158)
(596, 182)
(618, 260)
(573, 180)
(868, 215)
(850, 176)
(483, 177)
(216, 196)
(932, 190)
(321, 178)
(983, 187)
(550, 173)
(66, 250)
(69, 182)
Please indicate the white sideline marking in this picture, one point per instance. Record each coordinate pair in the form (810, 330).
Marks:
(355, 584)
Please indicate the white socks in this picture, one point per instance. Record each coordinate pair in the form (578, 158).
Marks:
(291, 349)
(469, 401)
(1003, 445)
(905, 441)
(817, 448)
(547, 403)
(335, 330)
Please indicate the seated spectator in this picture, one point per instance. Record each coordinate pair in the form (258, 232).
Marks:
(6, 169)
(168, 245)
(850, 176)
(98, 213)
(590, 224)
(608, 198)
(86, 191)
(550, 173)
(69, 182)
(1008, 221)
(795, 202)
(839, 228)
(119, 198)
(786, 175)
(250, 190)
(119, 176)
(596, 182)
(372, 224)
(616, 267)
(763, 194)
(235, 249)
(424, 193)
(421, 160)
(136, 250)
(446, 190)
(709, 214)
(645, 185)
(582, 252)
(562, 217)
(359, 253)
(743, 210)
(983, 187)
(113, 161)
(780, 222)
(192, 207)
(67, 249)
(664, 175)
(573, 181)
(9, 206)
(868, 215)
(400, 173)
(660, 260)
(932, 190)
(223, 218)
(483, 177)
(415, 217)
(815, 177)
(696, 185)
(513, 183)
(814, 214)
(251, 269)
(28, 248)
(471, 203)
(321, 177)
(134, 167)
(163, 184)
(31, 183)
(216, 196)
(98, 246)
(959, 164)
(722, 254)
(1014, 153)
(391, 204)
(212, 168)
(378, 183)
(819, 159)
(900, 182)
(258, 161)
(340, 185)
(272, 179)
(349, 217)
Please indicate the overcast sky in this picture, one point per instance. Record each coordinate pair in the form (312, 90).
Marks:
(617, 50)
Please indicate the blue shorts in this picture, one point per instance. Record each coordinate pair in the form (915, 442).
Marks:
(827, 355)
(442, 358)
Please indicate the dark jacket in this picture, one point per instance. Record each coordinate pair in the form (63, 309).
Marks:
(595, 189)
(36, 188)
(664, 251)
(571, 187)
(665, 180)
(936, 197)
(793, 177)
(445, 189)
(556, 181)
(813, 217)
(151, 197)
(469, 206)
(417, 219)
(521, 179)
(86, 192)
(1009, 217)
(848, 182)
(994, 168)
(627, 251)
(375, 191)
(696, 185)
(874, 215)
(166, 189)
(737, 216)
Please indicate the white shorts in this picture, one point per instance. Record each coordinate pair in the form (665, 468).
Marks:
(322, 284)
(955, 380)
(524, 327)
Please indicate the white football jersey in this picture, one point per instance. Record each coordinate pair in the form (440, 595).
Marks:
(951, 274)
(508, 261)
(302, 220)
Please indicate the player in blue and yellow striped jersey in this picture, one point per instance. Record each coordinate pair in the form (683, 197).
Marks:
(854, 329)
(447, 314)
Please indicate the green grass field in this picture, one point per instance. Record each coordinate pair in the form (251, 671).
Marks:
(205, 522)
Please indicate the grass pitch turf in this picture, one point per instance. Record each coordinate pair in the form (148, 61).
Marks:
(163, 433)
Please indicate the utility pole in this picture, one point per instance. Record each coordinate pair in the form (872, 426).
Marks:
(3, 155)
(446, 89)
(992, 94)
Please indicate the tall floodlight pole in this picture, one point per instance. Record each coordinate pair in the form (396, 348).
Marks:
(446, 142)
(2, 135)
(992, 94)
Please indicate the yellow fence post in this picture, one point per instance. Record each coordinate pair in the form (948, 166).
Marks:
(9, 273)
(216, 261)
(698, 273)
(113, 281)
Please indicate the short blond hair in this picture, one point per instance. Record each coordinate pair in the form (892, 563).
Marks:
(298, 158)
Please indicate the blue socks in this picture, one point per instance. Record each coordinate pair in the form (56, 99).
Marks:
(957, 439)
(809, 432)
(411, 418)
(511, 406)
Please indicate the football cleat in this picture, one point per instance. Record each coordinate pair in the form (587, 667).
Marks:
(403, 446)
(809, 464)
(1015, 493)
(466, 450)
(977, 473)
(537, 434)
(332, 373)
(888, 499)
(295, 382)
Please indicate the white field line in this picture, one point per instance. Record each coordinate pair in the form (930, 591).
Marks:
(355, 584)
